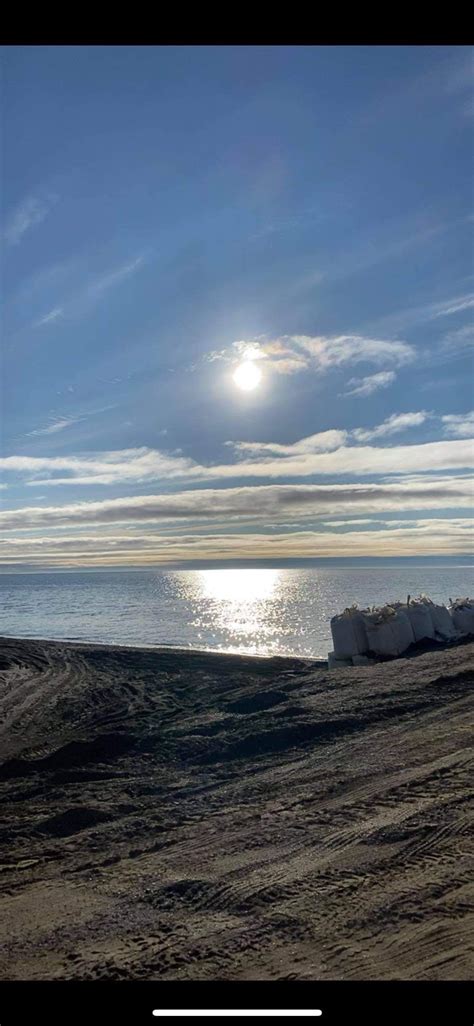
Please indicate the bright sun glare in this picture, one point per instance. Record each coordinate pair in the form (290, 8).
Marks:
(248, 375)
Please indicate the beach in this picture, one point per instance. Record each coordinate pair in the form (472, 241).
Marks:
(173, 814)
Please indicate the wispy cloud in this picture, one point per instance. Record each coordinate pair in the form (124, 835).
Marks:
(459, 425)
(58, 422)
(28, 214)
(83, 297)
(48, 318)
(409, 317)
(370, 384)
(456, 306)
(56, 425)
(460, 339)
(391, 426)
(112, 278)
(290, 354)
(350, 349)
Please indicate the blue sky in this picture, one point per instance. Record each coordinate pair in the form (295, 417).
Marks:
(171, 212)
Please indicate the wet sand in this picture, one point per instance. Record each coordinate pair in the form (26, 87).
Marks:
(175, 815)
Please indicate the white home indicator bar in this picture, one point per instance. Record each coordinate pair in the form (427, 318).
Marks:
(236, 1011)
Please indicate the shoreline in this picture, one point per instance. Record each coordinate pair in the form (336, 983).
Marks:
(412, 652)
(175, 814)
(177, 649)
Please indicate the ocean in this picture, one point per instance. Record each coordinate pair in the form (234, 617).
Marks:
(253, 611)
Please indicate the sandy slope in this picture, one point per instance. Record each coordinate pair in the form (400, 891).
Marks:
(174, 815)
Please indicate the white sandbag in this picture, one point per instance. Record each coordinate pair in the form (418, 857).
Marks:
(380, 636)
(418, 612)
(388, 631)
(348, 633)
(442, 620)
(462, 613)
(404, 629)
(337, 664)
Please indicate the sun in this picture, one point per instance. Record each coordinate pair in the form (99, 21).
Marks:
(247, 375)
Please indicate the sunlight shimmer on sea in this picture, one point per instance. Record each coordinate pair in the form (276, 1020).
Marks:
(263, 612)
(242, 604)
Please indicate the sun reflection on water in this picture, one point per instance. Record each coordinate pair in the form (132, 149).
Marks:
(243, 605)
(239, 586)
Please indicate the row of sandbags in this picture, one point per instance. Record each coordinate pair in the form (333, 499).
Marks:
(462, 612)
(389, 630)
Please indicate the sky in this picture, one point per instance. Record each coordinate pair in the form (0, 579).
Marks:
(170, 215)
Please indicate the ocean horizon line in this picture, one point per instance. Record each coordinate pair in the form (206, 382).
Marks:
(344, 562)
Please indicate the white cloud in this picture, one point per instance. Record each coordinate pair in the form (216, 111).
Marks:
(276, 501)
(299, 460)
(459, 425)
(290, 354)
(350, 523)
(396, 422)
(103, 468)
(324, 441)
(30, 212)
(328, 441)
(366, 386)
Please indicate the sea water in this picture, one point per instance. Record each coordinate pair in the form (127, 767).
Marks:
(254, 611)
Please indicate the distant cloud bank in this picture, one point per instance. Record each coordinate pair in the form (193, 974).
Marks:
(271, 515)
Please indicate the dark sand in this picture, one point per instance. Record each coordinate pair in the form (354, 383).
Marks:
(173, 815)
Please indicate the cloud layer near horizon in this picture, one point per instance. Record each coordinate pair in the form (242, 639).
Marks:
(421, 537)
(273, 517)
